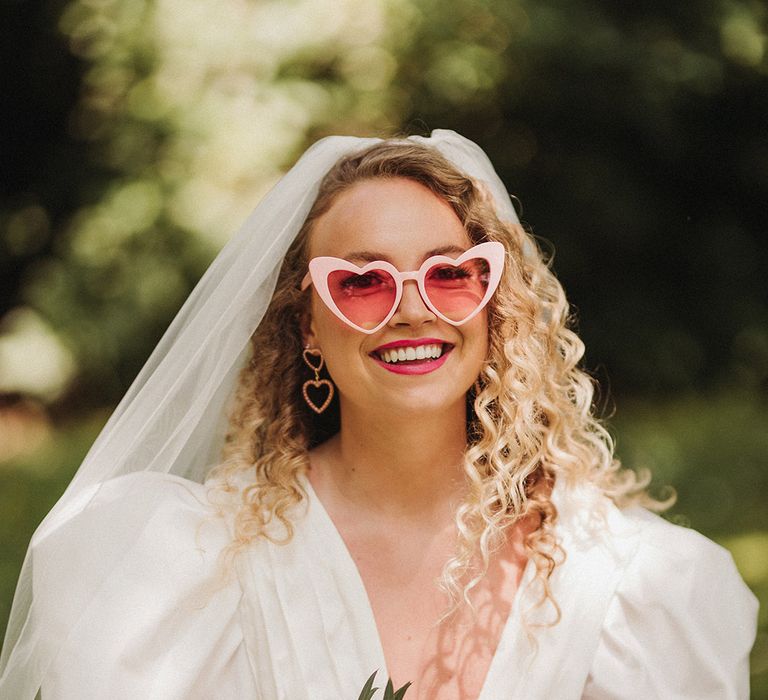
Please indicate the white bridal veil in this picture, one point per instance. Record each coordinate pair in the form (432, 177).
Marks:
(172, 419)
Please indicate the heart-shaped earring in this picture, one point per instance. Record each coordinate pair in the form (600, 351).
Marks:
(317, 384)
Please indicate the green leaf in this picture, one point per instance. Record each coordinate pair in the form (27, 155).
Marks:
(399, 694)
(368, 689)
(389, 692)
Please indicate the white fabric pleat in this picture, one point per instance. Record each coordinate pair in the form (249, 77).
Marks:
(648, 609)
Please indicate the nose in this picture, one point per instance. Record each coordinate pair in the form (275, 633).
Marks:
(411, 311)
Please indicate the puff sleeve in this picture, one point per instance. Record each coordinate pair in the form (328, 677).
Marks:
(681, 624)
(157, 621)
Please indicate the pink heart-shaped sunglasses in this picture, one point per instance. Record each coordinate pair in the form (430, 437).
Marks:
(454, 289)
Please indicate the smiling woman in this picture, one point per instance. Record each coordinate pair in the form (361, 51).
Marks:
(365, 444)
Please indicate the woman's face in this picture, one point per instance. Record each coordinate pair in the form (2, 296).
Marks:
(404, 223)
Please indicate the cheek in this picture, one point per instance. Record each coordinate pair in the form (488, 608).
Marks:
(340, 343)
(324, 324)
(476, 334)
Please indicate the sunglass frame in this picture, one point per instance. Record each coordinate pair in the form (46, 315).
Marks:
(321, 267)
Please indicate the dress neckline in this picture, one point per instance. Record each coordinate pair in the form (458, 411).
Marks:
(323, 526)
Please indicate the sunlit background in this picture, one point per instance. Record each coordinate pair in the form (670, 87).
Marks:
(137, 135)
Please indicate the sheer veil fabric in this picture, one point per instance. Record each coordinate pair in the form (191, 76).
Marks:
(172, 419)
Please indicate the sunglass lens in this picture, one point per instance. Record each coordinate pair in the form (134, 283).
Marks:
(457, 290)
(365, 299)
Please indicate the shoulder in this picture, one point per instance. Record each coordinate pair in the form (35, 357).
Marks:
(647, 549)
(681, 622)
(131, 565)
(162, 525)
(665, 548)
(141, 500)
(684, 570)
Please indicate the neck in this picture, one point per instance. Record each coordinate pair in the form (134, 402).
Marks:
(409, 466)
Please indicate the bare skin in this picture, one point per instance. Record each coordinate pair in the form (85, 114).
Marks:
(399, 558)
(392, 478)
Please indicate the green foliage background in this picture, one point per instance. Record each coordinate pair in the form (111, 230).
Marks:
(142, 132)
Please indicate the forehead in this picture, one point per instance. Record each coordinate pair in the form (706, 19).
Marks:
(398, 219)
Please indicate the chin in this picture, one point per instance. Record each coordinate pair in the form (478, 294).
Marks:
(423, 401)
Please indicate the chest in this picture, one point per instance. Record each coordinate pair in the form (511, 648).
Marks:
(446, 660)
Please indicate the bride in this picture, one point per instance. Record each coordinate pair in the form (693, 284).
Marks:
(365, 445)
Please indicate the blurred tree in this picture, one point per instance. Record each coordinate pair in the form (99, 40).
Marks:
(40, 87)
(186, 122)
(634, 138)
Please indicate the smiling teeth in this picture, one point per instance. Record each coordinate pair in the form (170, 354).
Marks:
(418, 352)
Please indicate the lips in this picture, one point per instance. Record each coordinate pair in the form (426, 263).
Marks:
(412, 356)
(411, 342)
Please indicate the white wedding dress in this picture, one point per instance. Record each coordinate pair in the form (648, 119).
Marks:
(649, 609)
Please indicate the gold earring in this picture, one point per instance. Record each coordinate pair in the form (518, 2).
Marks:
(316, 384)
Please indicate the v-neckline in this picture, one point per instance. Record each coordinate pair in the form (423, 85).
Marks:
(330, 534)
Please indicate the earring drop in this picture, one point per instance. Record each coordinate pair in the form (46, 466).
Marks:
(316, 384)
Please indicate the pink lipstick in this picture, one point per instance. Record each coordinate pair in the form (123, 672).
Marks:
(410, 342)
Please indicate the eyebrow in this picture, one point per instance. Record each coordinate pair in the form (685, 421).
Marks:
(371, 256)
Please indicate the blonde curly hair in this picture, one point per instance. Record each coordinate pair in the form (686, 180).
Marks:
(529, 415)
